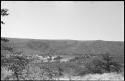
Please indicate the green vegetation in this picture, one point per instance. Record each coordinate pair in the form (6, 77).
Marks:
(104, 63)
(26, 65)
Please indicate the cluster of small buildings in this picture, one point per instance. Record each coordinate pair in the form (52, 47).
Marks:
(50, 58)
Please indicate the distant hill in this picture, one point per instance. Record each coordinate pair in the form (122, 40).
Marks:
(66, 47)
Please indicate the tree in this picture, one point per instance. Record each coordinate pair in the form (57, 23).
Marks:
(104, 63)
(4, 12)
(60, 70)
(107, 63)
(110, 64)
(58, 58)
(16, 64)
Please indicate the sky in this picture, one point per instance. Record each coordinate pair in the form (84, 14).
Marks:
(75, 20)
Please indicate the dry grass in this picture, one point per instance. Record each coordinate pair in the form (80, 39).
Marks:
(105, 76)
(5, 73)
(88, 77)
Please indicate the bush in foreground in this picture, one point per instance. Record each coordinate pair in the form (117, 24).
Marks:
(104, 63)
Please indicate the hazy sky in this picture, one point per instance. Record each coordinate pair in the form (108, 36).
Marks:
(64, 20)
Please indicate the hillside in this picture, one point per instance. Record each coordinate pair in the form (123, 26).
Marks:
(31, 59)
(67, 47)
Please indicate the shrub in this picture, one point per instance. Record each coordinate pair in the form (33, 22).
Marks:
(36, 71)
(16, 64)
(104, 63)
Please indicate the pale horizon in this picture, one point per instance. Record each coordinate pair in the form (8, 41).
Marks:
(72, 20)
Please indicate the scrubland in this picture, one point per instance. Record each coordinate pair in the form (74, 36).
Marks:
(61, 60)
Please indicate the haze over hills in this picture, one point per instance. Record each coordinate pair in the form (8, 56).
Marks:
(67, 47)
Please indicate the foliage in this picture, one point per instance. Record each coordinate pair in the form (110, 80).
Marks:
(104, 63)
(37, 72)
(111, 65)
(16, 64)
(58, 58)
(4, 39)
(4, 12)
(81, 59)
